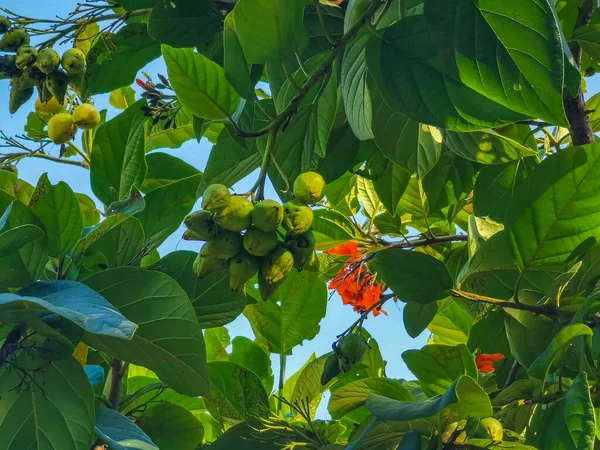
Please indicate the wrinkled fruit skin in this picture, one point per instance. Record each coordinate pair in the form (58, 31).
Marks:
(216, 197)
(26, 56)
(202, 225)
(205, 265)
(13, 39)
(267, 215)
(4, 24)
(302, 247)
(57, 83)
(350, 351)
(86, 116)
(331, 369)
(489, 428)
(265, 288)
(60, 128)
(73, 61)
(48, 108)
(47, 60)
(242, 268)
(309, 188)
(225, 245)
(277, 265)
(297, 217)
(237, 216)
(18, 97)
(260, 243)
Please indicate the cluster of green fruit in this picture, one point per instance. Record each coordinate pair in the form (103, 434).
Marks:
(347, 353)
(62, 126)
(266, 238)
(45, 70)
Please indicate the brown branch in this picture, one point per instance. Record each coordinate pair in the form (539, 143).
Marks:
(114, 397)
(541, 310)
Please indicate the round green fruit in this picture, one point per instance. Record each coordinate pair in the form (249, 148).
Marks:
(61, 128)
(267, 215)
(47, 60)
(216, 197)
(242, 268)
(73, 61)
(48, 108)
(302, 247)
(297, 217)
(86, 116)
(277, 265)
(225, 245)
(13, 39)
(350, 351)
(4, 24)
(309, 187)
(330, 370)
(489, 428)
(260, 243)
(237, 216)
(204, 265)
(26, 56)
(202, 224)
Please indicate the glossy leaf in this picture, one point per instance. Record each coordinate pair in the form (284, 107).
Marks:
(122, 98)
(417, 317)
(331, 228)
(250, 355)
(121, 433)
(171, 427)
(236, 67)
(165, 169)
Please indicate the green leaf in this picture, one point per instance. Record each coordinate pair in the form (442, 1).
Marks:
(528, 336)
(200, 84)
(281, 32)
(411, 441)
(166, 207)
(171, 427)
(465, 397)
(243, 436)
(554, 432)
(217, 340)
(114, 61)
(588, 38)
(354, 395)
(437, 366)
(390, 186)
(118, 161)
(214, 302)
(417, 317)
(368, 197)
(169, 339)
(579, 413)
(123, 244)
(15, 238)
(188, 23)
(181, 130)
(134, 203)
(89, 212)
(252, 356)
(50, 412)
(164, 169)
(486, 147)
(489, 334)
(235, 392)
(292, 314)
(331, 228)
(58, 209)
(566, 201)
(122, 98)
(342, 194)
(413, 276)
(119, 432)
(86, 36)
(18, 189)
(236, 67)
(543, 364)
(453, 321)
(388, 434)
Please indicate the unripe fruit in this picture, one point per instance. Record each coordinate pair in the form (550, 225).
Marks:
(297, 217)
(489, 428)
(331, 369)
(309, 187)
(267, 215)
(58, 82)
(73, 61)
(201, 224)
(13, 39)
(18, 97)
(205, 265)
(76, 81)
(260, 243)
(61, 128)
(86, 116)
(225, 245)
(242, 268)
(237, 216)
(4, 24)
(26, 56)
(47, 60)
(313, 264)
(350, 351)
(48, 108)
(265, 288)
(277, 265)
(216, 197)
(302, 247)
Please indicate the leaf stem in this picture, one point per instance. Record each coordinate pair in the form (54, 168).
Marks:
(282, 362)
(259, 187)
(18, 156)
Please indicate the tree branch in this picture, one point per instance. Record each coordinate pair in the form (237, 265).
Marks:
(542, 310)
(363, 316)
(19, 156)
(114, 396)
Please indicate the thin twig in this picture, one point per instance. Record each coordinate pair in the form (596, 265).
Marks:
(542, 310)
(363, 316)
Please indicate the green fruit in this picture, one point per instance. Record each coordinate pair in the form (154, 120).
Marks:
(297, 217)
(48, 108)
(350, 351)
(44, 93)
(201, 224)
(86, 116)
(313, 264)
(260, 243)
(309, 188)
(265, 288)
(61, 128)
(47, 60)
(330, 370)
(267, 215)
(18, 97)
(237, 216)
(13, 39)
(73, 61)
(225, 245)
(302, 247)
(242, 268)
(58, 82)
(277, 265)
(10, 60)
(216, 197)
(76, 82)
(489, 428)
(204, 265)
(4, 24)
(26, 56)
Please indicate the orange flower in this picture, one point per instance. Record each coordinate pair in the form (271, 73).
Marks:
(484, 361)
(349, 248)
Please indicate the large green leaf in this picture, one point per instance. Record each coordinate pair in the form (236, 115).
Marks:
(554, 209)
(486, 147)
(58, 210)
(252, 356)
(390, 185)
(236, 67)
(164, 169)
(200, 84)
(53, 409)
(171, 427)
(123, 244)
(292, 314)
(235, 392)
(388, 434)
(453, 322)
(489, 334)
(588, 38)
(119, 432)
(579, 413)
(181, 130)
(417, 317)
(214, 302)
(528, 336)
(437, 366)
(554, 432)
(331, 228)
(15, 238)
(217, 340)
(281, 31)
(413, 276)
(306, 385)
(244, 436)
(169, 339)
(188, 23)
(118, 161)
(166, 208)
(89, 211)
